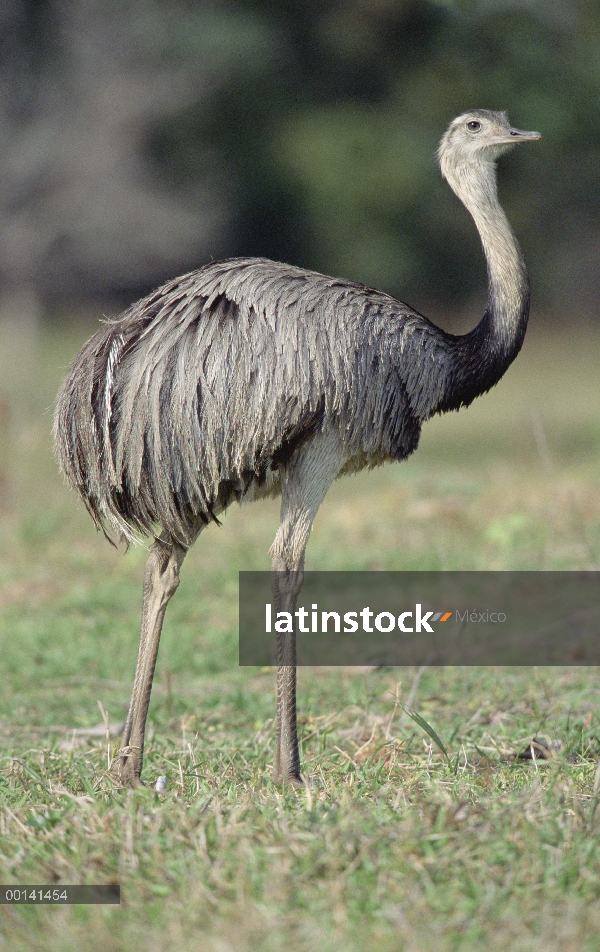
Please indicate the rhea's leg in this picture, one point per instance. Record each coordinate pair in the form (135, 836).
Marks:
(161, 579)
(286, 585)
(306, 480)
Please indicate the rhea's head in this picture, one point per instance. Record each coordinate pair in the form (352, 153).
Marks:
(478, 137)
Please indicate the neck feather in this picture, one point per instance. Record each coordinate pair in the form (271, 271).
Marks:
(482, 356)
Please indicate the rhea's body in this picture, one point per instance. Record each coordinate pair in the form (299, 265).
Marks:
(200, 392)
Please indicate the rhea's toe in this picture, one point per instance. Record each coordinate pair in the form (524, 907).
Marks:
(128, 773)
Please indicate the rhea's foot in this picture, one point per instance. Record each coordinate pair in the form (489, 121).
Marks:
(297, 780)
(129, 769)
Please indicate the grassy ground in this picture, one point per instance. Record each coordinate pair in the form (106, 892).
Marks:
(394, 847)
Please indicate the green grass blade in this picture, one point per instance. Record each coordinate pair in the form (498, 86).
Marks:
(428, 730)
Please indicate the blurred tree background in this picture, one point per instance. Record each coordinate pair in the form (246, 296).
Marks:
(140, 139)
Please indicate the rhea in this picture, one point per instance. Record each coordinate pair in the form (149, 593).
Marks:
(250, 378)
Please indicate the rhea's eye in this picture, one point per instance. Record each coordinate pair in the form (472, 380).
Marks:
(473, 125)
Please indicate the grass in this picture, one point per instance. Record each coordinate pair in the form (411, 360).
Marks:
(395, 846)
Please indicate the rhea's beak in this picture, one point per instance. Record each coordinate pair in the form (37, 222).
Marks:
(517, 135)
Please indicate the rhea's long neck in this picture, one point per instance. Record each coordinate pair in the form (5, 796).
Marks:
(482, 356)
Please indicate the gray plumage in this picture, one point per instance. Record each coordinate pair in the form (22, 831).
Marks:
(207, 384)
(206, 390)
